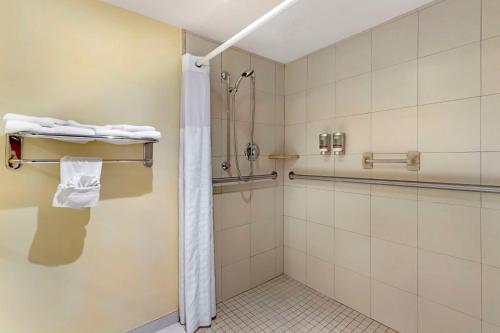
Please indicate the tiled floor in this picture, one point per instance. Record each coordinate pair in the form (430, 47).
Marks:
(286, 305)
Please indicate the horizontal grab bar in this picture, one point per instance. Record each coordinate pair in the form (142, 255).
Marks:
(273, 175)
(412, 160)
(401, 183)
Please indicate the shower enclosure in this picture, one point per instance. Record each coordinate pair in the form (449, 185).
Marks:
(247, 126)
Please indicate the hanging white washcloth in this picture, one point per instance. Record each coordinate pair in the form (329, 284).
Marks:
(80, 182)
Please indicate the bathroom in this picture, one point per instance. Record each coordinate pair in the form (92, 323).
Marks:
(277, 166)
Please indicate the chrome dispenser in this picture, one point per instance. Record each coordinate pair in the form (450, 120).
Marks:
(325, 143)
(338, 146)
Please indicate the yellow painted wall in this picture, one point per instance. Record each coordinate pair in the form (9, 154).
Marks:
(113, 267)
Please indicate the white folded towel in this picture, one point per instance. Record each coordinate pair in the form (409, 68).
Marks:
(152, 135)
(87, 126)
(133, 128)
(80, 182)
(123, 127)
(45, 125)
(15, 126)
(42, 121)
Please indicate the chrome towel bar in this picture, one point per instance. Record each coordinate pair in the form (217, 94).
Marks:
(15, 142)
(273, 175)
(401, 183)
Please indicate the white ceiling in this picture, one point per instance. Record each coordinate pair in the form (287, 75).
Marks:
(305, 27)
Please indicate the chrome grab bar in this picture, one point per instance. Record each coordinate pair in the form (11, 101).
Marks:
(401, 183)
(273, 175)
(412, 160)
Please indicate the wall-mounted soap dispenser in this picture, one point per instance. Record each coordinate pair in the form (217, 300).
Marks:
(338, 146)
(325, 143)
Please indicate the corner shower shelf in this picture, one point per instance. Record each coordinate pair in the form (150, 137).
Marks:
(14, 147)
(283, 157)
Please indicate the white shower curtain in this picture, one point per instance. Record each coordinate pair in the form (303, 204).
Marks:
(197, 303)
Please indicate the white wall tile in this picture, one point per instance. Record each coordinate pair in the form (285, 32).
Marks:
(295, 108)
(235, 244)
(394, 192)
(395, 42)
(490, 66)
(263, 204)
(353, 56)
(295, 205)
(353, 290)
(279, 260)
(451, 197)
(236, 279)
(441, 277)
(262, 237)
(264, 135)
(320, 206)
(321, 67)
(490, 118)
(265, 74)
(491, 18)
(264, 108)
(352, 212)
(352, 251)
(394, 131)
(321, 102)
(449, 24)
(295, 139)
(395, 308)
(394, 220)
(491, 294)
(280, 79)
(489, 168)
(320, 276)
(295, 76)
(449, 75)
(235, 210)
(450, 127)
(279, 110)
(489, 328)
(394, 264)
(436, 318)
(449, 229)
(295, 264)
(320, 241)
(450, 167)
(350, 166)
(357, 129)
(353, 95)
(490, 230)
(322, 165)
(395, 87)
(262, 267)
(295, 234)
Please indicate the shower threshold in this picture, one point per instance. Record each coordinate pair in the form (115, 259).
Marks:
(286, 305)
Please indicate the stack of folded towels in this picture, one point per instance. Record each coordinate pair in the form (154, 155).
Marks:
(15, 123)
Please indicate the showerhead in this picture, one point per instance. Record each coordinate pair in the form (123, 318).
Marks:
(245, 74)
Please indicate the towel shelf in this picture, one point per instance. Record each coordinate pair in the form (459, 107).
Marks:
(14, 148)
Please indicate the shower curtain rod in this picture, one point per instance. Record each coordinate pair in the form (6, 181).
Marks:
(245, 32)
(401, 183)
